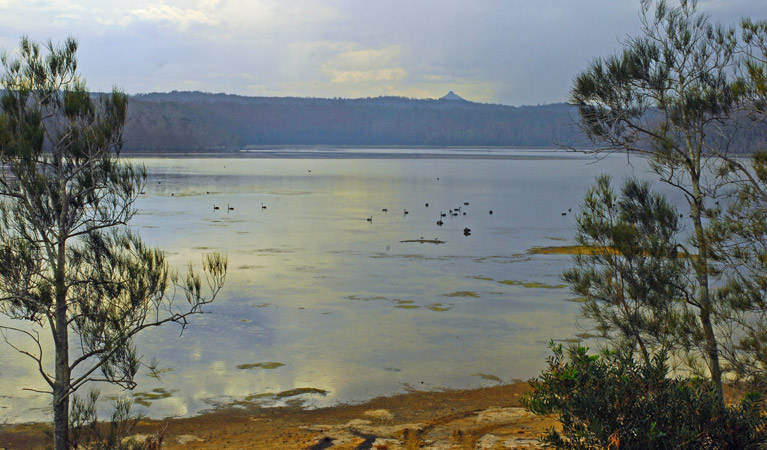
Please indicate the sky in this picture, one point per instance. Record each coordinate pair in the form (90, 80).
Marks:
(513, 52)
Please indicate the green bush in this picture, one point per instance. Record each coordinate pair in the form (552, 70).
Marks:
(611, 401)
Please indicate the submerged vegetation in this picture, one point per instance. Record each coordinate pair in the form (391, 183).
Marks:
(532, 284)
(146, 398)
(262, 365)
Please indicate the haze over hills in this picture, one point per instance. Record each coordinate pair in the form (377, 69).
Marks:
(198, 121)
(204, 122)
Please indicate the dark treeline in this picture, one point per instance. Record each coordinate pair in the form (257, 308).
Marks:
(197, 121)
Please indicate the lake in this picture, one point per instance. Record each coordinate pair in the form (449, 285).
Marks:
(323, 306)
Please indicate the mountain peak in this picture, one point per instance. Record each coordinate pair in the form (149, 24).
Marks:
(452, 96)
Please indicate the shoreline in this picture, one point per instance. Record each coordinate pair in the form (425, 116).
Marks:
(481, 418)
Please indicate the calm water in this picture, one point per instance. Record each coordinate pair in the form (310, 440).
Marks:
(344, 304)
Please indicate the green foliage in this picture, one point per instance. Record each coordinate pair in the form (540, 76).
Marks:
(680, 93)
(634, 281)
(68, 260)
(612, 401)
(87, 432)
(739, 234)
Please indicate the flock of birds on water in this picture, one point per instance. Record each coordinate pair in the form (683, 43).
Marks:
(453, 212)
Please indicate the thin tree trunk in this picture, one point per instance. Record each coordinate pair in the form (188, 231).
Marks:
(61, 383)
(63, 372)
(711, 349)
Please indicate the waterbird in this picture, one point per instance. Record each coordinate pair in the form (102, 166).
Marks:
(564, 213)
(369, 219)
(441, 214)
(464, 213)
(491, 212)
(439, 222)
(466, 231)
(215, 208)
(385, 210)
(427, 205)
(263, 206)
(229, 208)
(466, 203)
(406, 213)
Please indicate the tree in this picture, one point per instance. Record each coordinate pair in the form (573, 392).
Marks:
(674, 95)
(610, 400)
(633, 276)
(68, 261)
(739, 234)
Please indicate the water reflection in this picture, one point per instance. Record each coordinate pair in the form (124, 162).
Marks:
(340, 302)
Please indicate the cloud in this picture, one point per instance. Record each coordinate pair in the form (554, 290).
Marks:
(181, 18)
(512, 52)
(365, 65)
(358, 76)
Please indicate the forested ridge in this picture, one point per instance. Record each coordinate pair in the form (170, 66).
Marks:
(197, 121)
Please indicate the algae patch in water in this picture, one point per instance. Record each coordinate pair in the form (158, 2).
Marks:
(483, 278)
(565, 250)
(364, 299)
(146, 398)
(568, 341)
(300, 391)
(263, 365)
(462, 294)
(407, 306)
(486, 376)
(581, 250)
(578, 300)
(256, 397)
(534, 284)
(424, 241)
(439, 307)
(157, 373)
(586, 335)
(261, 305)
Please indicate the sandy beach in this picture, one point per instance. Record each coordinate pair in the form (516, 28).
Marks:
(487, 418)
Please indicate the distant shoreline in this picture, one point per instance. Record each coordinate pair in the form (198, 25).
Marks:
(369, 152)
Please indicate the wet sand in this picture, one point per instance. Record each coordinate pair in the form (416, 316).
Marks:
(486, 418)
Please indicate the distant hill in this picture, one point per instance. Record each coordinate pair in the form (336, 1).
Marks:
(198, 121)
(452, 96)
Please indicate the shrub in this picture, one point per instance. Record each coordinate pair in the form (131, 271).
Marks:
(611, 401)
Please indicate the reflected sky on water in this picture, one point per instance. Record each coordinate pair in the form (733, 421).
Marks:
(341, 301)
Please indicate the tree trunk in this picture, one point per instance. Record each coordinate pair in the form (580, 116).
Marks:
(711, 349)
(60, 417)
(61, 336)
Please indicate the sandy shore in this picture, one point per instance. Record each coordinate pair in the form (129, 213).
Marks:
(487, 418)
